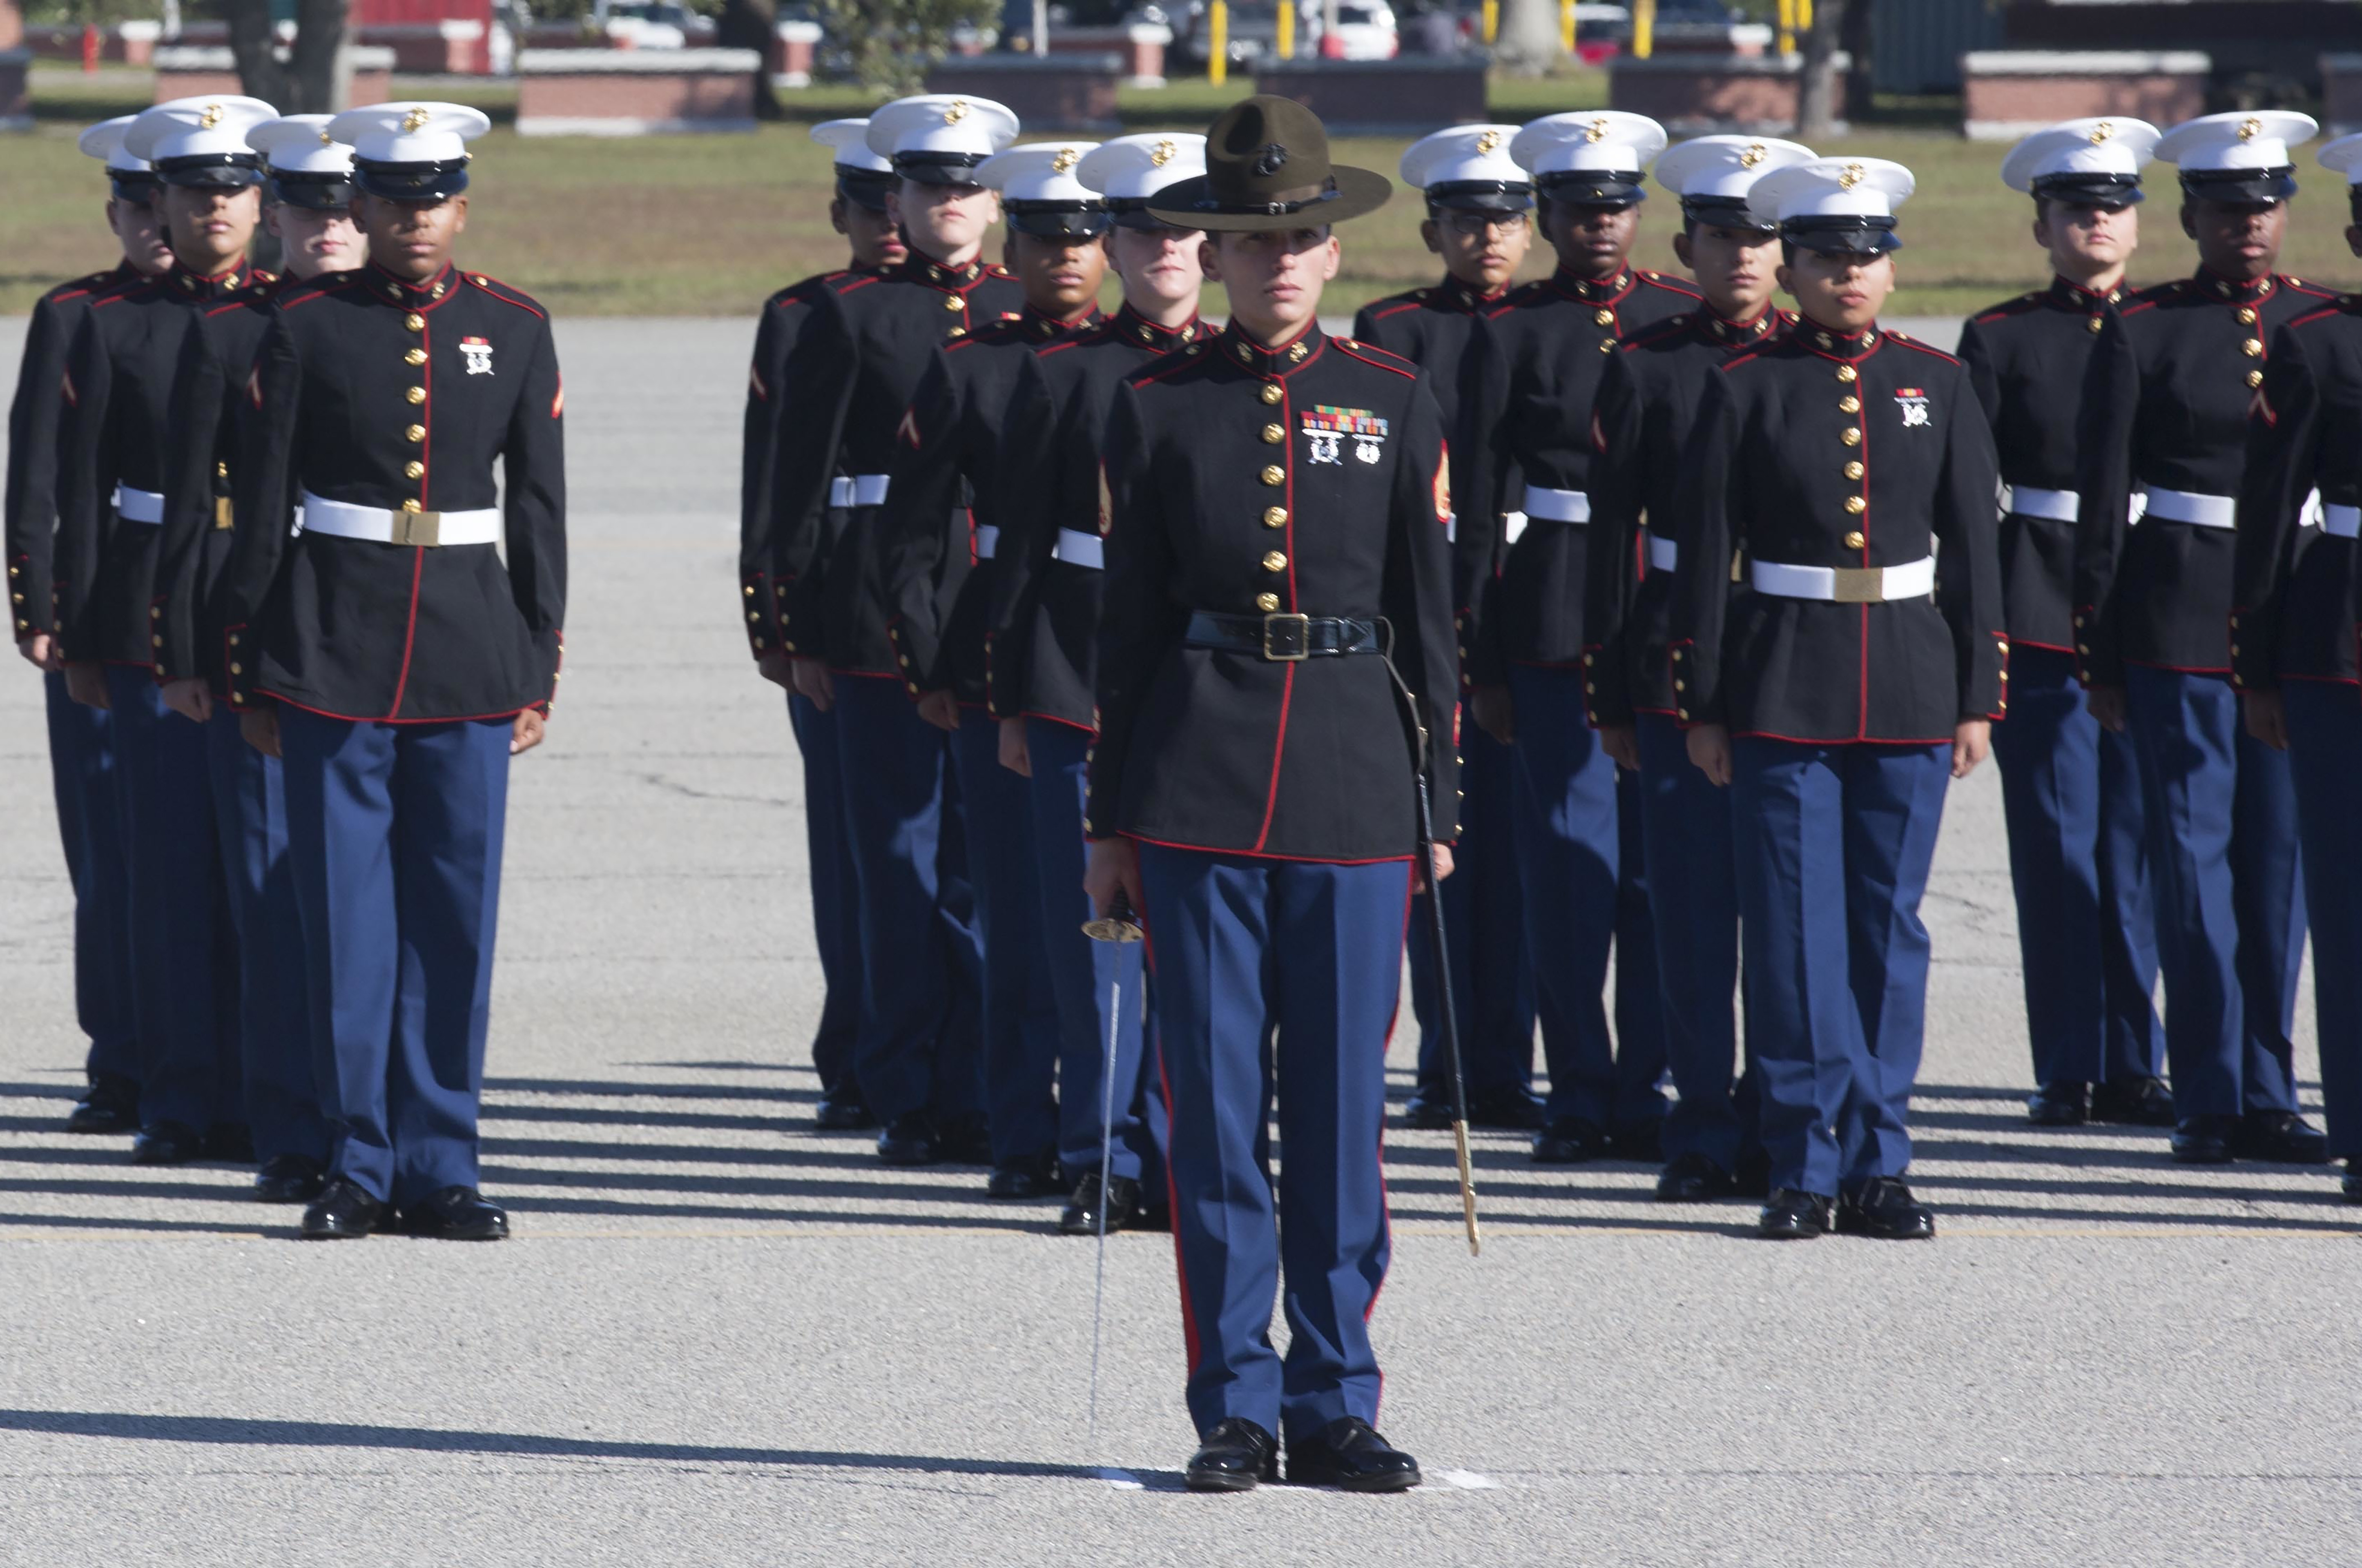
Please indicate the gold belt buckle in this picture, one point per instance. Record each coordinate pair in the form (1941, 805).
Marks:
(1293, 642)
(1862, 585)
(222, 512)
(425, 528)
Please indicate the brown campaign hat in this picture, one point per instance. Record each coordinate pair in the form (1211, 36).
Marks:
(1266, 168)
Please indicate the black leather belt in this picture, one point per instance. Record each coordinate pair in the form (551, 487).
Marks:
(1284, 638)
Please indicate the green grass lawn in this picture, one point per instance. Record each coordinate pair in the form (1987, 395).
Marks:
(707, 225)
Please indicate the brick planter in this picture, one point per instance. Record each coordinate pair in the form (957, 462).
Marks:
(1140, 44)
(186, 71)
(630, 92)
(1046, 92)
(2009, 93)
(1409, 95)
(1692, 94)
(793, 44)
(2341, 93)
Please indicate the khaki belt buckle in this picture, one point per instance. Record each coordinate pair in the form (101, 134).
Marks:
(424, 528)
(222, 518)
(1862, 585)
(1286, 638)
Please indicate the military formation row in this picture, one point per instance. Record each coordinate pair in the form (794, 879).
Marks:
(253, 534)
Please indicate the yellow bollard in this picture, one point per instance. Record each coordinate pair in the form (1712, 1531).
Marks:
(1644, 28)
(1492, 21)
(1566, 26)
(1218, 54)
(1287, 43)
(1804, 15)
(1787, 26)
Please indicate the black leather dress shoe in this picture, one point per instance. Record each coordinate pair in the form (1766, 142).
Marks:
(232, 1143)
(1694, 1179)
(1035, 1178)
(964, 1139)
(342, 1212)
(2280, 1137)
(1081, 1217)
(2059, 1105)
(110, 1107)
(1753, 1177)
(1511, 1108)
(842, 1113)
(907, 1141)
(2351, 1185)
(1885, 1210)
(288, 1179)
(1351, 1457)
(1430, 1111)
(457, 1214)
(1641, 1141)
(2204, 1140)
(167, 1143)
(1790, 1215)
(2141, 1102)
(1570, 1140)
(1233, 1457)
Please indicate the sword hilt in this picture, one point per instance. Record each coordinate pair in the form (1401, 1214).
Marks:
(1118, 925)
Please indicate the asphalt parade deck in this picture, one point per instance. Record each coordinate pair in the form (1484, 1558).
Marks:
(720, 1338)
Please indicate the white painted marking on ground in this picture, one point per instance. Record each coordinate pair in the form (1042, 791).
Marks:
(1121, 1480)
(1462, 1481)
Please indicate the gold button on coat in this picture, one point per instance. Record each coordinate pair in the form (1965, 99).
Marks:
(1845, 373)
(1602, 317)
(1848, 404)
(413, 469)
(2246, 316)
(1850, 437)
(410, 506)
(1272, 474)
(1267, 602)
(1855, 539)
(1273, 436)
(1856, 505)
(1853, 470)
(2093, 323)
(1275, 517)
(2253, 348)
(415, 321)
(415, 357)
(416, 394)
(951, 301)
(1270, 392)
(2255, 377)
(416, 432)
(1273, 561)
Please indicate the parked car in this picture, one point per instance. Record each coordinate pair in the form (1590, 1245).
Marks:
(651, 24)
(1367, 29)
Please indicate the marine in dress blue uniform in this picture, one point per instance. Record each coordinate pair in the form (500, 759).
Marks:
(2293, 601)
(1647, 403)
(396, 651)
(1472, 187)
(813, 588)
(306, 168)
(1541, 355)
(113, 467)
(1840, 686)
(939, 535)
(1040, 663)
(2166, 411)
(1279, 588)
(82, 752)
(2070, 789)
(857, 210)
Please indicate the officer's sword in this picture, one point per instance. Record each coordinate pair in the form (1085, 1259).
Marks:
(1447, 1012)
(1119, 926)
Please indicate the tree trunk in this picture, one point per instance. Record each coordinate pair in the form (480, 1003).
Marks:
(750, 24)
(250, 46)
(1529, 40)
(1817, 118)
(1857, 35)
(320, 64)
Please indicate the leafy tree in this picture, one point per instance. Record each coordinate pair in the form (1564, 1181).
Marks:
(889, 44)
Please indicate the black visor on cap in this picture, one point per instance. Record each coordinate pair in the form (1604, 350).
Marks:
(132, 184)
(2354, 203)
(1131, 213)
(2089, 190)
(1726, 213)
(425, 182)
(1843, 233)
(1593, 187)
(228, 170)
(864, 187)
(320, 192)
(938, 168)
(1057, 219)
(2240, 187)
(1481, 195)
